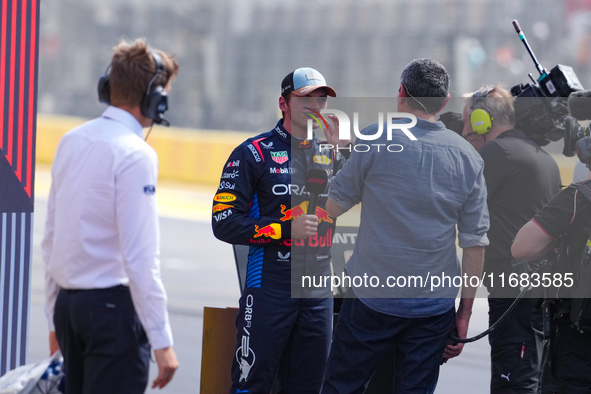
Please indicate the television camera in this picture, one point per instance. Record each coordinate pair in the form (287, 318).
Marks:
(540, 106)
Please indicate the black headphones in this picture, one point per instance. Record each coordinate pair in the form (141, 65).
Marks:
(155, 100)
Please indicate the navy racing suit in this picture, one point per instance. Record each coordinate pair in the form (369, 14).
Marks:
(283, 329)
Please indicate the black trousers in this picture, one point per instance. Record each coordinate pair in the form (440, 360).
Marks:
(104, 345)
(569, 369)
(518, 349)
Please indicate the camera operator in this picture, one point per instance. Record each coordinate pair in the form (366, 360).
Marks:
(563, 225)
(566, 220)
(520, 178)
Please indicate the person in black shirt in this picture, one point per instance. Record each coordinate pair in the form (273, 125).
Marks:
(565, 218)
(520, 178)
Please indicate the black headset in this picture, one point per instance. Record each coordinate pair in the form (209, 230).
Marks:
(155, 100)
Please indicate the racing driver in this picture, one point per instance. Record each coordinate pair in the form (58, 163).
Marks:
(283, 330)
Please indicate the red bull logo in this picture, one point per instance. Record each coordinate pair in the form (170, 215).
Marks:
(304, 144)
(295, 212)
(273, 231)
(322, 215)
(299, 210)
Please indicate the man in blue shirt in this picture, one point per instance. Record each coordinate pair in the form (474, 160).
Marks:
(412, 201)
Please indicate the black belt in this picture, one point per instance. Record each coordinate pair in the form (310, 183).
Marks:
(103, 290)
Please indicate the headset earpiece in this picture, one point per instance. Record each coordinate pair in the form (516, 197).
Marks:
(104, 91)
(155, 100)
(481, 121)
(155, 103)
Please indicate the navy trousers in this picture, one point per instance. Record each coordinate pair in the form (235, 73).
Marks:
(104, 345)
(281, 338)
(361, 338)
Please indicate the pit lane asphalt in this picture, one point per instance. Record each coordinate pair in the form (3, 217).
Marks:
(198, 270)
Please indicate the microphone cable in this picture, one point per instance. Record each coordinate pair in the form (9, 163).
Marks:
(495, 324)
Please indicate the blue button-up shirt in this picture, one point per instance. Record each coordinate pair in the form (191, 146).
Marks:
(413, 196)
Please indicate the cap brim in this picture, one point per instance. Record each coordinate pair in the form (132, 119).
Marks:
(304, 91)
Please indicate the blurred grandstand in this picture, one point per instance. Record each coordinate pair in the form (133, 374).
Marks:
(234, 53)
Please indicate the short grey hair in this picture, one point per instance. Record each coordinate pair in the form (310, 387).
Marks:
(427, 82)
(497, 101)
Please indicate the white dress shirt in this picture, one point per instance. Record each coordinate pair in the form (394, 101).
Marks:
(102, 220)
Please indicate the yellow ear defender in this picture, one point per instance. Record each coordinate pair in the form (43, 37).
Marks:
(481, 121)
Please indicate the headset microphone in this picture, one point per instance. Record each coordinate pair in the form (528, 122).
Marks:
(316, 182)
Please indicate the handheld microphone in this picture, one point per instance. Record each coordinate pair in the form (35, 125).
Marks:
(579, 105)
(316, 182)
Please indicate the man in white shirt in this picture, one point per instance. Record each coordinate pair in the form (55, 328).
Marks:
(105, 301)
